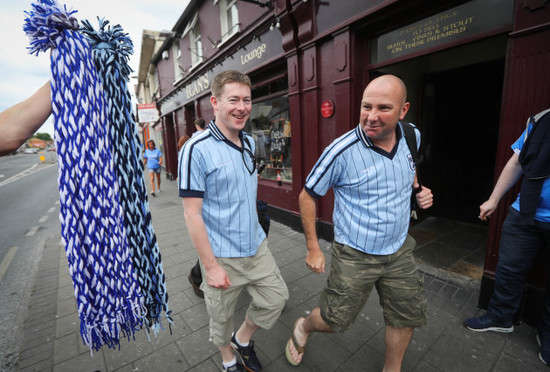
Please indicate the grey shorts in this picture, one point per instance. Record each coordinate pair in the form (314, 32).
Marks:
(352, 276)
(262, 279)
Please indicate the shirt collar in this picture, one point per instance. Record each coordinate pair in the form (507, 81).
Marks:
(367, 141)
(218, 135)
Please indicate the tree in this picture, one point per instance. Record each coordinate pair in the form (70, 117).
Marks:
(43, 136)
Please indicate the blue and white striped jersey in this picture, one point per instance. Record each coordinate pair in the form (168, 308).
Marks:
(213, 168)
(372, 190)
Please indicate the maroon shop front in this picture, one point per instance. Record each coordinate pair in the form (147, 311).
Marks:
(474, 70)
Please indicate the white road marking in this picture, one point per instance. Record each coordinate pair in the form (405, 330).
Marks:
(43, 219)
(6, 261)
(25, 173)
(32, 231)
(51, 209)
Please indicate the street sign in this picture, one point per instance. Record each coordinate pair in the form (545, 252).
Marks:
(148, 112)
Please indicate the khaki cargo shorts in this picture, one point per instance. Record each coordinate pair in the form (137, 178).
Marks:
(353, 274)
(261, 277)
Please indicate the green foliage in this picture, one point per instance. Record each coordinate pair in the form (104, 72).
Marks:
(43, 136)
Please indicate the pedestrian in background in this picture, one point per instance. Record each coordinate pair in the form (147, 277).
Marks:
(525, 231)
(153, 161)
(371, 171)
(181, 142)
(199, 126)
(218, 183)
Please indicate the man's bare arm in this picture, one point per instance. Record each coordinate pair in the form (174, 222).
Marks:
(315, 258)
(19, 122)
(216, 276)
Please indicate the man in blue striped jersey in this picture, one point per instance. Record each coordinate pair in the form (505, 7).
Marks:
(218, 183)
(372, 173)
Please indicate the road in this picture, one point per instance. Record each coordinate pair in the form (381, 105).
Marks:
(29, 205)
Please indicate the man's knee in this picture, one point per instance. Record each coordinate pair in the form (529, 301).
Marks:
(266, 315)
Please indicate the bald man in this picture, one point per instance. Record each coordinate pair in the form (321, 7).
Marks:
(371, 171)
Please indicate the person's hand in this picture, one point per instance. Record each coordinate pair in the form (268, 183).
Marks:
(487, 209)
(217, 277)
(315, 260)
(424, 198)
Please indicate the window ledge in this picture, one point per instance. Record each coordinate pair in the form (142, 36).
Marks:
(177, 80)
(227, 38)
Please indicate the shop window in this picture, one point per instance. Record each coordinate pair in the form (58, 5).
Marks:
(269, 125)
(229, 18)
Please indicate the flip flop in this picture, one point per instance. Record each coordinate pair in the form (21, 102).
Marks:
(299, 348)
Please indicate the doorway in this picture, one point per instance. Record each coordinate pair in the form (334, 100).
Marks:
(460, 120)
(190, 117)
(455, 97)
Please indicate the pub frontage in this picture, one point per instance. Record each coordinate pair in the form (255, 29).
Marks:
(475, 71)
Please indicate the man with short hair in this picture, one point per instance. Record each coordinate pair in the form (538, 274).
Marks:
(218, 183)
(199, 126)
(372, 173)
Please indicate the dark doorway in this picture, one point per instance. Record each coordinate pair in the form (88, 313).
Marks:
(170, 151)
(190, 117)
(459, 123)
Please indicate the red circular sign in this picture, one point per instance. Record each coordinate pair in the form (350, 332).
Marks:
(327, 108)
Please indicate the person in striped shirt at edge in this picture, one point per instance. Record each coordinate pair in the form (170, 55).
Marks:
(218, 183)
(372, 173)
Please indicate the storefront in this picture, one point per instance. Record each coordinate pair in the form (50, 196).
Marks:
(475, 70)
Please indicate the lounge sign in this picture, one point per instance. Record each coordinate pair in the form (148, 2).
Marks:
(454, 24)
(256, 53)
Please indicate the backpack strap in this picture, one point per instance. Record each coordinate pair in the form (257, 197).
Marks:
(410, 138)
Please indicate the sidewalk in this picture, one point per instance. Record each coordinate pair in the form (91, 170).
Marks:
(52, 340)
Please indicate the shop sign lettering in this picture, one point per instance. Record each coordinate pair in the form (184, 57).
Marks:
(197, 86)
(460, 22)
(277, 141)
(255, 53)
(430, 31)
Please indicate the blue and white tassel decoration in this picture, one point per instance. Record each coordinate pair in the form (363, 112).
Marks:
(111, 51)
(108, 294)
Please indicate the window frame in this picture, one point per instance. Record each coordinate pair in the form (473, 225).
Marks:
(228, 30)
(192, 30)
(179, 71)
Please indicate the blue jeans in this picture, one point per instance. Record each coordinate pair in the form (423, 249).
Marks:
(519, 247)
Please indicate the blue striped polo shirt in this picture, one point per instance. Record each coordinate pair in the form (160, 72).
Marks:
(212, 168)
(372, 190)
